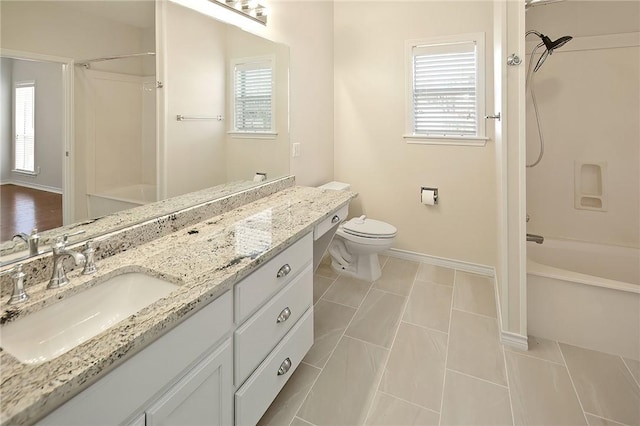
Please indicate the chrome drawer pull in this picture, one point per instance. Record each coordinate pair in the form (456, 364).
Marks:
(284, 315)
(335, 219)
(284, 271)
(284, 367)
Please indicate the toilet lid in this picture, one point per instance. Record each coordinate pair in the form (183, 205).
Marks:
(364, 227)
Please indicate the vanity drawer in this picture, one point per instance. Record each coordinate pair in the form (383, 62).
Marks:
(334, 219)
(258, 335)
(255, 396)
(254, 290)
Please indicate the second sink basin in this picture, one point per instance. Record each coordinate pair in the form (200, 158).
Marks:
(56, 329)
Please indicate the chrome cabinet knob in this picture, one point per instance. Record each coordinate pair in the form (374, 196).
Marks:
(284, 367)
(284, 271)
(335, 219)
(284, 315)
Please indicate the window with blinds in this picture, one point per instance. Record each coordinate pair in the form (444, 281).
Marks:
(24, 143)
(253, 95)
(446, 95)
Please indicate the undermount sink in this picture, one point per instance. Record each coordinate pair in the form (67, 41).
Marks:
(56, 329)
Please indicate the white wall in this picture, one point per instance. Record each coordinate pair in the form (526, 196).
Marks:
(6, 68)
(307, 28)
(369, 123)
(194, 151)
(48, 123)
(589, 108)
(246, 156)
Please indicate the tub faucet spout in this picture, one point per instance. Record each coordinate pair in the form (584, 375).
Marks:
(538, 239)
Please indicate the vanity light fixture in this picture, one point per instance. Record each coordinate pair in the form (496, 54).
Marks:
(252, 9)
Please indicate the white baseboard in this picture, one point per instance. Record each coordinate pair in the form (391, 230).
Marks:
(441, 261)
(33, 186)
(514, 340)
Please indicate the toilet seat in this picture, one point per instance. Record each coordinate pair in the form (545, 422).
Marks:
(369, 228)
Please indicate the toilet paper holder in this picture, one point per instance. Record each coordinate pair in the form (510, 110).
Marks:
(435, 193)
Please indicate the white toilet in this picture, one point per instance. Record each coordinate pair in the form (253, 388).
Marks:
(355, 247)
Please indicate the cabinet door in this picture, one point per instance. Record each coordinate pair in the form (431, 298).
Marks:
(202, 397)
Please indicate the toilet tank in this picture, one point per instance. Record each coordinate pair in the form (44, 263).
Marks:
(339, 186)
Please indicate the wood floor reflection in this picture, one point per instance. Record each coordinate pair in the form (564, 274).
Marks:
(22, 209)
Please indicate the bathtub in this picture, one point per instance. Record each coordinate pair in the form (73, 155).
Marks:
(117, 199)
(585, 294)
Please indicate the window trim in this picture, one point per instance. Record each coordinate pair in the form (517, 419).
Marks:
(18, 84)
(242, 134)
(480, 138)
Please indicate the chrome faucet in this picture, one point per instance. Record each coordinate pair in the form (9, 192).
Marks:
(32, 241)
(60, 252)
(18, 295)
(538, 239)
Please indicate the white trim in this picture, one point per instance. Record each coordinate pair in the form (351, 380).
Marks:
(446, 140)
(262, 59)
(597, 42)
(479, 39)
(33, 186)
(253, 135)
(514, 340)
(460, 265)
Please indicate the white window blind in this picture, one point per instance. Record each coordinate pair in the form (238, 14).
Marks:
(253, 96)
(24, 144)
(445, 89)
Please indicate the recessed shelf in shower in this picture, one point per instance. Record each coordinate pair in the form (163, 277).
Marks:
(590, 186)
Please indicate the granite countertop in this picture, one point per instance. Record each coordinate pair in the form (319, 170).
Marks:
(205, 260)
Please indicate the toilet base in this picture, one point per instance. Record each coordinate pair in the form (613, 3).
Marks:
(366, 267)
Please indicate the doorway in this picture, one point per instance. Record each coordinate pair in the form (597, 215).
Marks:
(35, 141)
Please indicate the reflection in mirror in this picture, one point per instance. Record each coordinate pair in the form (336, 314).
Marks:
(126, 148)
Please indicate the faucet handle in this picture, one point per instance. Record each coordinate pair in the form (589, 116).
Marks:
(18, 295)
(89, 254)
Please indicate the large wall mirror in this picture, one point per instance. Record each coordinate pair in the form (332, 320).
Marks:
(108, 106)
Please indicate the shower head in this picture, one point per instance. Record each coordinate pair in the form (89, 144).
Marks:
(550, 46)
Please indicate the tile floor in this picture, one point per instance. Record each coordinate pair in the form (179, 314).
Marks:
(420, 346)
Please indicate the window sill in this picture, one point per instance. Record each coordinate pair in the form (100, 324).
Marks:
(446, 140)
(253, 135)
(26, 172)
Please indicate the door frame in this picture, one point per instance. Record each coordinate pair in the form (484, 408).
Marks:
(509, 30)
(67, 125)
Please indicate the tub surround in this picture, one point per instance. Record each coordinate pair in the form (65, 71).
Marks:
(127, 229)
(205, 258)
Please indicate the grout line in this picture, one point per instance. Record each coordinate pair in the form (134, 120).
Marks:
(517, 352)
(338, 303)
(368, 343)
(477, 378)
(425, 327)
(506, 373)
(309, 365)
(629, 369)
(408, 402)
(604, 418)
(327, 289)
(301, 419)
(475, 313)
(446, 355)
(573, 385)
(433, 282)
(389, 292)
(561, 354)
(393, 342)
(331, 354)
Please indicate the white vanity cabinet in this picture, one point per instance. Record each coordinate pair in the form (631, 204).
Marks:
(161, 376)
(202, 397)
(223, 365)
